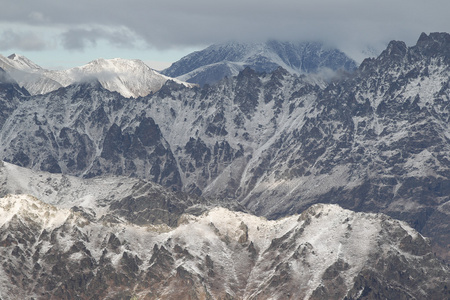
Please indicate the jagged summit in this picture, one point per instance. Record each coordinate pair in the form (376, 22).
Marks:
(256, 137)
(441, 38)
(433, 46)
(16, 62)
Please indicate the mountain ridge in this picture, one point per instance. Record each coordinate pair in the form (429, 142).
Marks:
(129, 77)
(227, 59)
(225, 254)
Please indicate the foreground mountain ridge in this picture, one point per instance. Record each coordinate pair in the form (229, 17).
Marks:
(333, 253)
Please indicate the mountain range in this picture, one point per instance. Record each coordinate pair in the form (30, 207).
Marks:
(130, 78)
(228, 59)
(126, 191)
(324, 253)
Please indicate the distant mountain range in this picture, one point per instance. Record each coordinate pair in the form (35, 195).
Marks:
(228, 59)
(130, 78)
(133, 78)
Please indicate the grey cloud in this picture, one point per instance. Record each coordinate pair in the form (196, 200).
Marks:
(26, 41)
(37, 17)
(80, 38)
(180, 23)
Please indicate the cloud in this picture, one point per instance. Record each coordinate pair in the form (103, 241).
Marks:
(349, 24)
(80, 38)
(22, 40)
(38, 17)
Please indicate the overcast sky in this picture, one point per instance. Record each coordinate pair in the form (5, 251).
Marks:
(55, 33)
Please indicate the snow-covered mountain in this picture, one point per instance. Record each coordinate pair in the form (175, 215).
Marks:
(228, 59)
(375, 141)
(271, 144)
(325, 253)
(18, 62)
(28, 74)
(130, 78)
(104, 198)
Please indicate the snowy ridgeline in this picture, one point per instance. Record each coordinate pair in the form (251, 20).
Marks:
(329, 250)
(130, 78)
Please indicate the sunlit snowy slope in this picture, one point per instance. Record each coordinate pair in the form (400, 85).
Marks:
(130, 78)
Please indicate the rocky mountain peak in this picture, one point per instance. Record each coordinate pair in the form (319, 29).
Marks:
(129, 77)
(440, 38)
(432, 49)
(395, 51)
(436, 44)
(14, 56)
(248, 72)
(375, 142)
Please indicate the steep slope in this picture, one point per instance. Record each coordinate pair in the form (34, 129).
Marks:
(81, 130)
(179, 137)
(217, 61)
(377, 142)
(11, 94)
(333, 252)
(18, 62)
(130, 78)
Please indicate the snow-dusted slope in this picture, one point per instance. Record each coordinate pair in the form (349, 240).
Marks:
(130, 78)
(227, 59)
(378, 139)
(325, 253)
(28, 74)
(18, 62)
(108, 197)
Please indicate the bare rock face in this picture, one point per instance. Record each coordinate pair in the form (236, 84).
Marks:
(10, 95)
(74, 131)
(325, 253)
